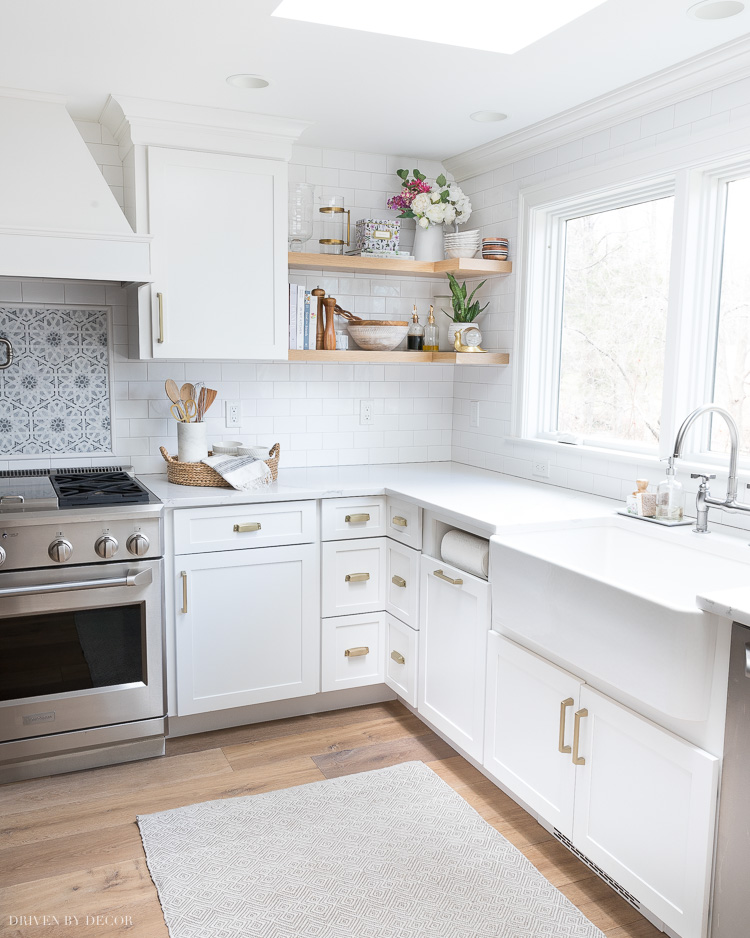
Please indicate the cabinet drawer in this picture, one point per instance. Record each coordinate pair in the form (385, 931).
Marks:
(235, 527)
(404, 522)
(401, 651)
(352, 651)
(402, 583)
(353, 576)
(343, 518)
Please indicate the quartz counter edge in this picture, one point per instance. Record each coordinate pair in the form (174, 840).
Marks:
(733, 603)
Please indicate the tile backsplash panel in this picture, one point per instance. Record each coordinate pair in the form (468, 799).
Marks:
(55, 395)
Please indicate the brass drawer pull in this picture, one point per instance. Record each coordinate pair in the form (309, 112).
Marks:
(398, 520)
(439, 573)
(160, 302)
(356, 577)
(398, 657)
(357, 652)
(580, 714)
(564, 704)
(357, 519)
(398, 580)
(247, 526)
(184, 592)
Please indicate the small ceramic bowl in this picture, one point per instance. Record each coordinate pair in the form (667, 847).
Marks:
(259, 452)
(226, 448)
(469, 251)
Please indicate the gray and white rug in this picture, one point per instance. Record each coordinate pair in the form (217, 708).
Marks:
(393, 853)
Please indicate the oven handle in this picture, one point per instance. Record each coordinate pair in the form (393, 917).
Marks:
(131, 578)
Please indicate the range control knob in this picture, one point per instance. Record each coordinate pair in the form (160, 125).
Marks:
(60, 550)
(3, 555)
(138, 544)
(106, 546)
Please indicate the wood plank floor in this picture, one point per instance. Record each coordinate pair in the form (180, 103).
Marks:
(69, 844)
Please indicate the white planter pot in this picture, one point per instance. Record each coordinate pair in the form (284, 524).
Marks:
(428, 243)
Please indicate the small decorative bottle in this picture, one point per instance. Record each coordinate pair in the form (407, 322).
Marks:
(415, 335)
(431, 334)
(670, 497)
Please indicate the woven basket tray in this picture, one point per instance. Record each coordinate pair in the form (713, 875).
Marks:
(198, 473)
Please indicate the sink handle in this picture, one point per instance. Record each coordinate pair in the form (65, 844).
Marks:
(747, 660)
(579, 715)
(564, 704)
(701, 475)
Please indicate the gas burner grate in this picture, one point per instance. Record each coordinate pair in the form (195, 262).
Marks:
(74, 488)
(82, 470)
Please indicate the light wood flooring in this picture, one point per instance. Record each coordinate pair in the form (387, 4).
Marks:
(69, 844)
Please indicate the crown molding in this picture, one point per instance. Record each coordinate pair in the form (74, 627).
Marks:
(702, 73)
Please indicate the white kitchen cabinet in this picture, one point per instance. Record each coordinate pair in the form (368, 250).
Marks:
(239, 527)
(247, 628)
(404, 520)
(345, 518)
(634, 798)
(454, 621)
(401, 657)
(402, 583)
(353, 651)
(219, 251)
(529, 727)
(353, 576)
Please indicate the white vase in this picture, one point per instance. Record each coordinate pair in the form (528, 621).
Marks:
(428, 243)
(191, 442)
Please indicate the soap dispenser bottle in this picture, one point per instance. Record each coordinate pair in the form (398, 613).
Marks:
(670, 496)
(415, 335)
(431, 334)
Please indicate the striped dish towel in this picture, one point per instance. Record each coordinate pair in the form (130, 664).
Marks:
(241, 472)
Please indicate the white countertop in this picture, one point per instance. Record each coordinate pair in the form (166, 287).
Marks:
(480, 497)
(732, 603)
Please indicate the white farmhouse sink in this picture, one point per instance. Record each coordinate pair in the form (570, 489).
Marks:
(614, 598)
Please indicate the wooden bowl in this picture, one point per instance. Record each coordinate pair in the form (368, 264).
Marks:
(378, 335)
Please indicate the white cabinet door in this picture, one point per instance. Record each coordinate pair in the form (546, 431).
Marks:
(645, 806)
(401, 657)
(529, 729)
(454, 621)
(342, 518)
(247, 627)
(402, 583)
(353, 576)
(352, 651)
(219, 256)
(404, 522)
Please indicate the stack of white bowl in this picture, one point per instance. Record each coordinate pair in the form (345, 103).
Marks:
(462, 243)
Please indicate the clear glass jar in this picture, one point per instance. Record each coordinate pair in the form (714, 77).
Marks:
(670, 498)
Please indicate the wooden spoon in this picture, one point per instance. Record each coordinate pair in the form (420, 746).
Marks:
(173, 392)
(187, 392)
(210, 398)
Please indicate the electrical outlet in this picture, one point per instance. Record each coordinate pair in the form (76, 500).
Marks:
(232, 413)
(474, 413)
(540, 468)
(365, 412)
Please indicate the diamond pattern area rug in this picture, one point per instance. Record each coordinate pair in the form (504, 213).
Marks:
(393, 853)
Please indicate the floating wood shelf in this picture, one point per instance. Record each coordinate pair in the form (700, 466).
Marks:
(458, 266)
(357, 355)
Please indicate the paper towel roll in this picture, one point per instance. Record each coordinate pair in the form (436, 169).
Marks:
(467, 552)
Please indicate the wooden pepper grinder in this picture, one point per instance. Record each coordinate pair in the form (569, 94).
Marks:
(319, 325)
(329, 337)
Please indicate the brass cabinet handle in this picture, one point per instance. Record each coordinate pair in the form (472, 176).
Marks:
(357, 652)
(439, 573)
(356, 577)
(160, 301)
(401, 522)
(564, 704)
(398, 580)
(356, 519)
(580, 714)
(247, 526)
(184, 592)
(398, 657)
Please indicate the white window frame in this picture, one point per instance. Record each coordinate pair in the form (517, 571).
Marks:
(699, 190)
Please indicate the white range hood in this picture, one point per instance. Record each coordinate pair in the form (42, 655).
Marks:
(58, 216)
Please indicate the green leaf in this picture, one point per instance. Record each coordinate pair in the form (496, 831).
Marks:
(478, 286)
(444, 195)
(402, 173)
(407, 213)
(441, 180)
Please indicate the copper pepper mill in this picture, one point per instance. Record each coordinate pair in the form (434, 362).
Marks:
(319, 324)
(329, 336)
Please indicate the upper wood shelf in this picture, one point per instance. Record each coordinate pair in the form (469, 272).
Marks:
(458, 266)
(359, 355)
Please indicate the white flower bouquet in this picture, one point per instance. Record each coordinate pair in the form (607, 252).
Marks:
(441, 203)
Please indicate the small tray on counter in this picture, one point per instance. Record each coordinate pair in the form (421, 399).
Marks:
(665, 524)
(198, 473)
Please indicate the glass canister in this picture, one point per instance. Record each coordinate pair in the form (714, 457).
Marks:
(336, 225)
(301, 202)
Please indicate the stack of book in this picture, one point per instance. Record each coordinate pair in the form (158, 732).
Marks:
(303, 317)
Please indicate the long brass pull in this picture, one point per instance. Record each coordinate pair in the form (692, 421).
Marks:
(357, 519)
(398, 657)
(564, 704)
(398, 520)
(160, 301)
(247, 526)
(357, 652)
(580, 714)
(398, 580)
(356, 577)
(439, 573)
(184, 592)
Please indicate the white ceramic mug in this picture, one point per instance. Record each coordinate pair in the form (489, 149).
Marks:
(191, 442)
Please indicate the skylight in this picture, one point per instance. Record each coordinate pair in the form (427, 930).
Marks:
(497, 26)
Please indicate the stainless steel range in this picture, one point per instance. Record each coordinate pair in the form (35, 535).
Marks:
(81, 657)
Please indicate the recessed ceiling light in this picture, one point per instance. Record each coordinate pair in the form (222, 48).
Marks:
(716, 9)
(501, 26)
(247, 81)
(486, 117)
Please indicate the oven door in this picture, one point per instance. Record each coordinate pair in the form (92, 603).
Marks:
(80, 647)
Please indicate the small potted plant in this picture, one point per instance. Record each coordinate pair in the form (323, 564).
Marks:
(465, 309)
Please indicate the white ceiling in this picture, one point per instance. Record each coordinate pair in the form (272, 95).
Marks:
(363, 92)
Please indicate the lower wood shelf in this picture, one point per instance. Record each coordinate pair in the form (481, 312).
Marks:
(357, 355)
